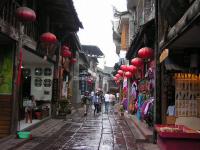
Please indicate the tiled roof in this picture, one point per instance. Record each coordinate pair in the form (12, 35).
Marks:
(91, 50)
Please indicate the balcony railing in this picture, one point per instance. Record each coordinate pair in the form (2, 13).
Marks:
(7, 15)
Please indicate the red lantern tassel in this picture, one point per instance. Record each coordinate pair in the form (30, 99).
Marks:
(19, 68)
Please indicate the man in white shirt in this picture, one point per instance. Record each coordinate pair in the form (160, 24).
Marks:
(117, 95)
(107, 101)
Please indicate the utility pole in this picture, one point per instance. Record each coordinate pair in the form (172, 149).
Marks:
(157, 72)
(15, 113)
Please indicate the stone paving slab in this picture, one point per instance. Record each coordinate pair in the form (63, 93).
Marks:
(100, 132)
(46, 129)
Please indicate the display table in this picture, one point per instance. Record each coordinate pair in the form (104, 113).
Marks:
(177, 137)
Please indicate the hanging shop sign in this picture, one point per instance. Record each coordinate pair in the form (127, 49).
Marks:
(164, 55)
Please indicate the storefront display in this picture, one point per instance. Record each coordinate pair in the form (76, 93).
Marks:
(177, 137)
(187, 91)
(181, 131)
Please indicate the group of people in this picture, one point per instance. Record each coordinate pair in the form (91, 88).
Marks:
(96, 100)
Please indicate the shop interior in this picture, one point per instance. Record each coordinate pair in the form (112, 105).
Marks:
(36, 80)
(182, 86)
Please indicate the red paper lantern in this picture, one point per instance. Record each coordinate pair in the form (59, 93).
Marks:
(132, 69)
(66, 52)
(118, 76)
(73, 60)
(145, 52)
(124, 68)
(65, 48)
(120, 72)
(115, 78)
(25, 14)
(137, 62)
(128, 74)
(48, 38)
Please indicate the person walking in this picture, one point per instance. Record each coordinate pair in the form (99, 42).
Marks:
(86, 102)
(30, 104)
(107, 101)
(96, 103)
(117, 97)
(102, 99)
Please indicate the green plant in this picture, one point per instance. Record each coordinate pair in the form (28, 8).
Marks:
(121, 108)
(65, 107)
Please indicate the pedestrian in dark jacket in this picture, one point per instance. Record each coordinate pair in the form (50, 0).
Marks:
(95, 101)
(86, 102)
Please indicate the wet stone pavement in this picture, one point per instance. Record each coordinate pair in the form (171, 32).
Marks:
(100, 132)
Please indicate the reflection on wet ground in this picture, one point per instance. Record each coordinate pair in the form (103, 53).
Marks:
(100, 132)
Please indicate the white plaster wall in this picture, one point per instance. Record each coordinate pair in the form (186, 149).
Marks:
(39, 92)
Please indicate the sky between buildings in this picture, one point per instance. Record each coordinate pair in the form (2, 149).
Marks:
(97, 17)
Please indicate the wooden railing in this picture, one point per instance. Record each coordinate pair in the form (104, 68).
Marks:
(7, 14)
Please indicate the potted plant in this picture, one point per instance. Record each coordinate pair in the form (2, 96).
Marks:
(121, 109)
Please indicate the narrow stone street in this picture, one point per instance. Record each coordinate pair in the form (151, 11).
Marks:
(100, 132)
(103, 132)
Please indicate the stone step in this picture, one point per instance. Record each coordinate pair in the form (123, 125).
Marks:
(143, 128)
(135, 131)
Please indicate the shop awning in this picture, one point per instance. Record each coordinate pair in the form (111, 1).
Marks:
(185, 33)
(31, 57)
(144, 37)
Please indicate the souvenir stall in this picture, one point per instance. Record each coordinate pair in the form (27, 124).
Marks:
(145, 99)
(142, 89)
(185, 132)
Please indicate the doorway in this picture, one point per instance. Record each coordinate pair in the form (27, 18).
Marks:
(25, 91)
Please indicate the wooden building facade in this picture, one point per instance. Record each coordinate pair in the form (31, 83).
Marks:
(57, 17)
